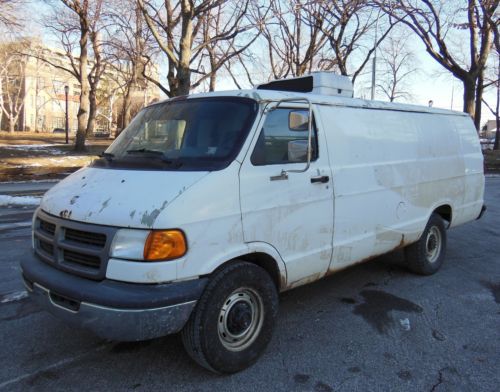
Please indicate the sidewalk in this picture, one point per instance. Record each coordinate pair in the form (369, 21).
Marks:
(26, 187)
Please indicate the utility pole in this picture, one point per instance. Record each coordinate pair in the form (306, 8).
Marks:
(374, 60)
(66, 91)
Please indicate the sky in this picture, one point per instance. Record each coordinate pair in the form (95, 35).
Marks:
(432, 82)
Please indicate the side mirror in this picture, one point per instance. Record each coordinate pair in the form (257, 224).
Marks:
(297, 150)
(298, 120)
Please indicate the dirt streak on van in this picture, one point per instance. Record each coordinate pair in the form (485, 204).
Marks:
(207, 206)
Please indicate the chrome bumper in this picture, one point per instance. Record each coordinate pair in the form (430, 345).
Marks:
(113, 323)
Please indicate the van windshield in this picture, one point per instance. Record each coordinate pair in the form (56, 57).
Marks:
(184, 134)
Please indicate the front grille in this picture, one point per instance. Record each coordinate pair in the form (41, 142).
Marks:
(46, 247)
(85, 237)
(75, 247)
(80, 258)
(47, 227)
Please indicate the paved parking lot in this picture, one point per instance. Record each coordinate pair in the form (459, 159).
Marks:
(374, 327)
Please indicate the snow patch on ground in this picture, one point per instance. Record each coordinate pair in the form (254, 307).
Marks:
(14, 296)
(28, 146)
(30, 181)
(48, 148)
(34, 164)
(6, 200)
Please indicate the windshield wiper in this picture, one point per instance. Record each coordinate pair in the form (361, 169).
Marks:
(145, 150)
(107, 155)
(156, 153)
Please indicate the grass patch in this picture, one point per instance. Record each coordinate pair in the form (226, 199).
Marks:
(39, 156)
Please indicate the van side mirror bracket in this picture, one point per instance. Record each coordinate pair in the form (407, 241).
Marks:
(282, 176)
(284, 173)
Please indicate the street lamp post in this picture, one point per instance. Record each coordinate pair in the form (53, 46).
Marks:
(374, 60)
(66, 91)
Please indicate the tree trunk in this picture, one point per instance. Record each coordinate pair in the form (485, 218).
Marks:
(12, 124)
(83, 110)
(127, 100)
(183, 71)
(184, 80)
(92, 112)
(213, 79)
(469, 96)
(496, 146)
(479, 101)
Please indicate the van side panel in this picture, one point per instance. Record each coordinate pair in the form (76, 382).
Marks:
(474, 177)
(391, 169)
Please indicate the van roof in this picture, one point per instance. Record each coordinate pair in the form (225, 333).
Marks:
(262, 96)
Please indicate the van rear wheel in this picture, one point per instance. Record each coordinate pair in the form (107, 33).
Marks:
(233, 321)
(426, 256)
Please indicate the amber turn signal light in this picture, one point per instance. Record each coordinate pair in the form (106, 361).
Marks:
(164, 245)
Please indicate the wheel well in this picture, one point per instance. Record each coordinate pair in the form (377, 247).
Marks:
(267, 262)
(444, 212)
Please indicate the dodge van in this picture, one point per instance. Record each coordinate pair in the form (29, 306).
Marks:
(207, 206)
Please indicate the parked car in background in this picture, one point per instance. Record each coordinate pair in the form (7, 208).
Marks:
(101, 134)
(486, 143)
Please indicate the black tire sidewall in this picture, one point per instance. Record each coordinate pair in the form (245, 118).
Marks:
(417, 254)
(247, 276)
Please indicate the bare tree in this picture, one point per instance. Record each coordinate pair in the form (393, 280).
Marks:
(432, 20)
(9, 14)
(78, 24)
(294, 37)
(353, 33)
(131, 53)
(43, 92)
(242, 60)
(495, 79)
(177, 28)
(221, 51)
(398, 65)
(12, 82)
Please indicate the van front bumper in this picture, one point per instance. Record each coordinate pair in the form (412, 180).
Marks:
(112, 310)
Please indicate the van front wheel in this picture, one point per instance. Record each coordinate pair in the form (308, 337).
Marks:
(426, 256)
(233, 320)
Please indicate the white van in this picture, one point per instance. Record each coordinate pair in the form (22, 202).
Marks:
(207, 206)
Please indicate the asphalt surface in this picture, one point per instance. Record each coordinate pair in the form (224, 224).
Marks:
(373, 327)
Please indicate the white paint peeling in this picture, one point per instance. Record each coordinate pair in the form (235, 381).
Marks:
(405, 324)
(13, 297)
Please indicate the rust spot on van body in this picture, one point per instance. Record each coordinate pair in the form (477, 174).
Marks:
(104, 205)
(306, 280)
(149, 218)
(66, 214)
(334, 269)
(401, 243)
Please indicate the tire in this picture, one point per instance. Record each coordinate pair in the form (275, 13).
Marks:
(233, 320)
(426, 256)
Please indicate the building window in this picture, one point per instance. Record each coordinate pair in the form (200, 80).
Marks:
(58, 87)
(40, 83)
(58, 122)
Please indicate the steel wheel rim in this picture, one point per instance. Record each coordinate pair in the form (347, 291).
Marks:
(240, 319)
(433, 244)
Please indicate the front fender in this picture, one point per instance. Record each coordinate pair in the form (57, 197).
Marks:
(239, 251)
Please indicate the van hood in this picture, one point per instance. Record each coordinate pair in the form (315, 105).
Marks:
(123, 198)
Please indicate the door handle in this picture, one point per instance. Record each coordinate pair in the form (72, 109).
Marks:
(320, 179)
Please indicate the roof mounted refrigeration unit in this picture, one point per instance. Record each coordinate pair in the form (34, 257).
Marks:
(324, 83)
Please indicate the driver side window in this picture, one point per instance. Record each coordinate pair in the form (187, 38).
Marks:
(278, 144)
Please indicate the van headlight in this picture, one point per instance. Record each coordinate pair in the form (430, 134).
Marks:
(148, 245)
